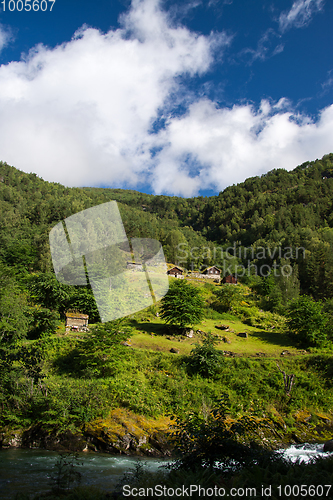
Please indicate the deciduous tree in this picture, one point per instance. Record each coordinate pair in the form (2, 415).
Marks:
(183, 305)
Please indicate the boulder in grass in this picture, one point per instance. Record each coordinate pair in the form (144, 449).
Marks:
(176, 351)
(188, 332)
(242, 334)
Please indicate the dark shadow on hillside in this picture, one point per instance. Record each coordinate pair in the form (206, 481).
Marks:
(278, 339)
(323, 364)
(68, 364)
(157, 329)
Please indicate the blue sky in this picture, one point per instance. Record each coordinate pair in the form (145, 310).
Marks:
(180, 98)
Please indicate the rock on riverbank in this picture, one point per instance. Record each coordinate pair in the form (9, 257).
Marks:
(124, 432)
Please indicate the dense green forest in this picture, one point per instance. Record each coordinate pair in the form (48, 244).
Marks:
(279, 209)
(52, 382)
(279, 219)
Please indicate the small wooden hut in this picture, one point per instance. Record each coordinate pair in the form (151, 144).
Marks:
(230, 279)
(77, 322)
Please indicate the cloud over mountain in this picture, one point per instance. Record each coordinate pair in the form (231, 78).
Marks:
(85, 112)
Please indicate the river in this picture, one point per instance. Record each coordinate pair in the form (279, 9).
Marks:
(29, 471)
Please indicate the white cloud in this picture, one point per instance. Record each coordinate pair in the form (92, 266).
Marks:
(300, 14)
(233, 144)
(5, 37)
(82, 113)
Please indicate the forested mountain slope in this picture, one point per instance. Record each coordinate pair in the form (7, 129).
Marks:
(46, 383)
(279, 209)
(284, 210)
(261, 207)
(30, 207)
(272, 206)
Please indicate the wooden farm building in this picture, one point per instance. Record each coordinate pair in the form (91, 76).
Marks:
(230, 279)
(76, 321)
(175, 271)
(212, 271)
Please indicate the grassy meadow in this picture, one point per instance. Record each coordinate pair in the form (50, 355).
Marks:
(143, 379)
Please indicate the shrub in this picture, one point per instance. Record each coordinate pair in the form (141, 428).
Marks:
(44, 322)
(205, 359)
(102, 351)
(211, 441)
(227, 296)
(307, 323)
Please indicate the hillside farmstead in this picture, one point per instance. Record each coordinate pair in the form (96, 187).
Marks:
(76, 322)
(212, 270)
(175, 271)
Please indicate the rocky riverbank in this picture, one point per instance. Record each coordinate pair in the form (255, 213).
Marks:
(124, 432)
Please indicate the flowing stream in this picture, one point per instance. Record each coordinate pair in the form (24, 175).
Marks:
(30, 471)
